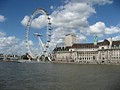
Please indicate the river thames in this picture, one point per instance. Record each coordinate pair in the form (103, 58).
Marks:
(50, 76)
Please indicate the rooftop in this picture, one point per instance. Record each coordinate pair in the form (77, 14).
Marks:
(88, 45)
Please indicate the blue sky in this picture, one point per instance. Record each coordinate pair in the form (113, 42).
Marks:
(108, 13)
(82, 17)
(15, 10)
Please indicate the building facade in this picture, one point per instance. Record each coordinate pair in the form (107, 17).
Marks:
(105, 52)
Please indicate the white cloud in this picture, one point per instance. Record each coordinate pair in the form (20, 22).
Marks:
(13, 45)
(97, 28)
(7, 44)
(30, 43)
(8, 41)
(52, 7)
(81, 38)
(19, 48)
(25, 20)
(2, 34)
(92, 2)
(112, 30)
(72, 17)
(116, 38)
(37, 23)
(69, 20)
(2, 18)
(100, 29)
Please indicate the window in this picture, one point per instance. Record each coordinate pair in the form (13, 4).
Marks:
(93, 57)
(102, 47)
(114, 46)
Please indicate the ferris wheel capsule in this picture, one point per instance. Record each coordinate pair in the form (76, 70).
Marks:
(43, 45)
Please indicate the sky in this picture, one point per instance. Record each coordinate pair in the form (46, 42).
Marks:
(85, 18)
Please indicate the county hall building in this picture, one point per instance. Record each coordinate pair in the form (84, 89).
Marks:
(105, 52)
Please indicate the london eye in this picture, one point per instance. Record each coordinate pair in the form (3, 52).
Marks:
(37, 38)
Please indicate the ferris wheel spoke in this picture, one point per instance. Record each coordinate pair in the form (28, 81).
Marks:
(43, 46)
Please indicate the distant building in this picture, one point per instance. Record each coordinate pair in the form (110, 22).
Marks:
(98, 52)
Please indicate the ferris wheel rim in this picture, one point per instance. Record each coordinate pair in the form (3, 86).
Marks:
(48, 31)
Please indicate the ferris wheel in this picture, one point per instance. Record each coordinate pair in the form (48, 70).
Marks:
(43, 48)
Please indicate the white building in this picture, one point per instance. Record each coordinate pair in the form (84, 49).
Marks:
(101, 52)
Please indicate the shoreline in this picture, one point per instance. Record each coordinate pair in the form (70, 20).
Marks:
(59, 62)
(63, 62)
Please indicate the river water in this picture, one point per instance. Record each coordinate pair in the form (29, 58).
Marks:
(49, 76)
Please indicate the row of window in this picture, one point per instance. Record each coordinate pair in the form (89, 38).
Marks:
(88, 58)
(116, 47)
(87, 53)
(115, 57)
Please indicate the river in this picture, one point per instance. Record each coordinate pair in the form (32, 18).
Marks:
(51, 76)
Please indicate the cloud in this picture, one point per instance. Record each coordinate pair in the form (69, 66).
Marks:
(8, 44)
(70, 20)
(116, 38)
(2, 18)
(100, 29)
(2, 34)
(81, 38)
(25, 20)
(65, 16)
(19, 48)
(13, 45)
(37, 23)
(72, 17)
(93, 2)
(112, 30)
(8, 41)
(97, 28)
